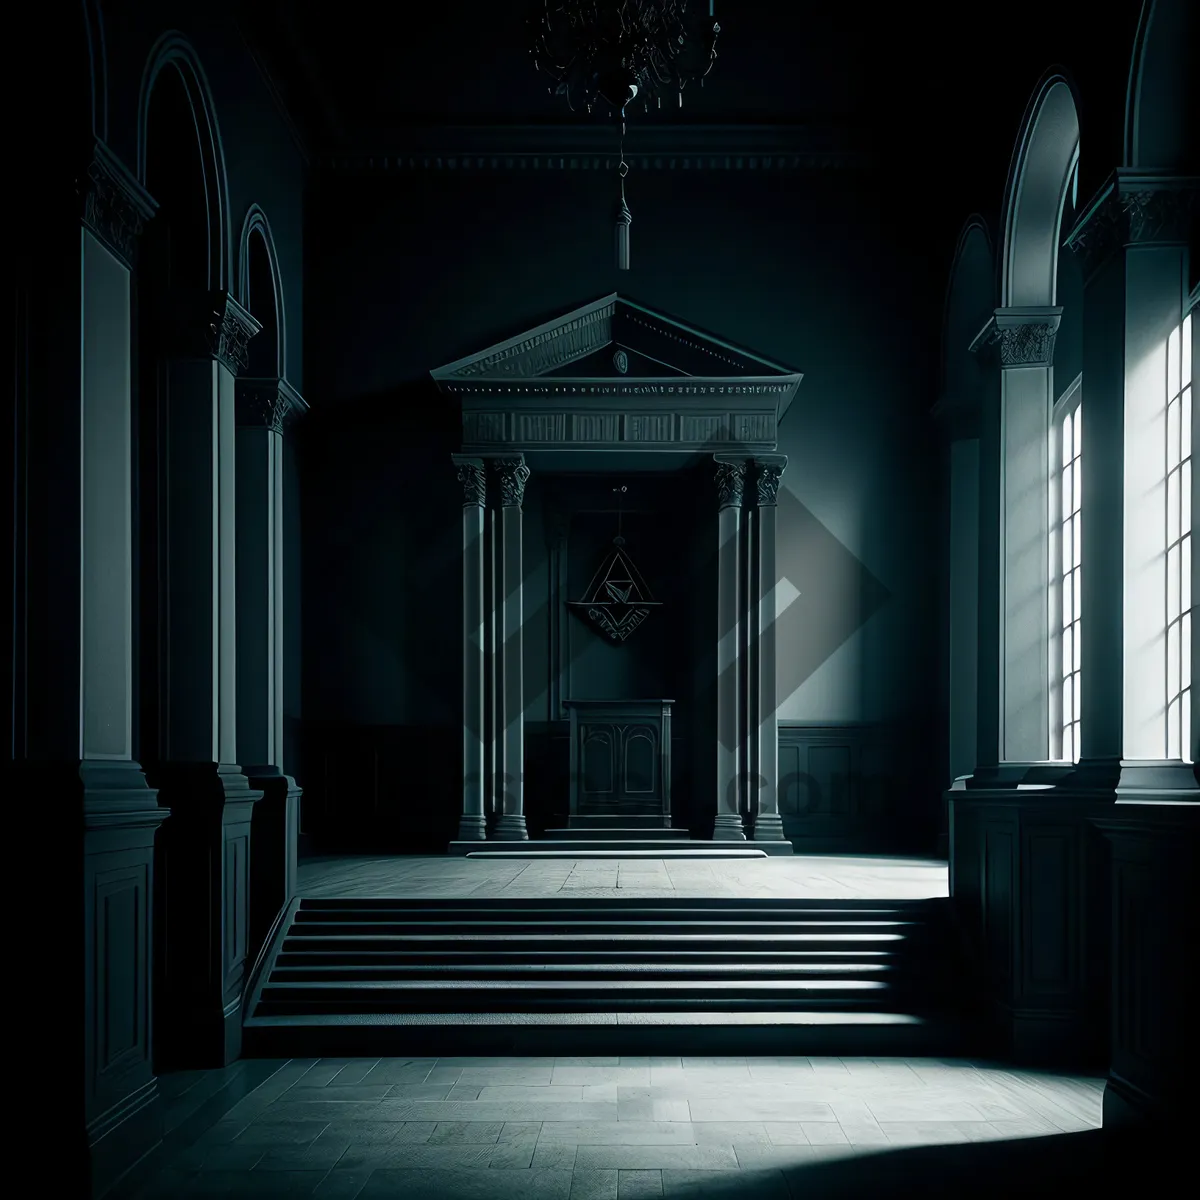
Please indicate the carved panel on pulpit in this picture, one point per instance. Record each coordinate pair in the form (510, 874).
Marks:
(620, 759)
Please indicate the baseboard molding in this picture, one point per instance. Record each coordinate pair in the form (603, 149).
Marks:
(123, 1136)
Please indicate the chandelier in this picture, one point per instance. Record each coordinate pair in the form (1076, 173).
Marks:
(613, 51)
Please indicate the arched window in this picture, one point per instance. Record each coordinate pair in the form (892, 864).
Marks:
(1066, 570)
(1178, 561)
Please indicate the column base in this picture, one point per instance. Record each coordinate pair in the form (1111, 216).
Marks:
(728, 828)
(472, 828)
(768, 827)
(203, 933)
(511, 828)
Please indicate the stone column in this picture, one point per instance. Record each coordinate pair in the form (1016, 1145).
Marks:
(730, 480)
(263, 407)
(90, 441)
(763, 611)
(511, 476)
(473, 822)
(207, 838)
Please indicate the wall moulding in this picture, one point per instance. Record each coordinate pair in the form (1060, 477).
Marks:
(749, 149)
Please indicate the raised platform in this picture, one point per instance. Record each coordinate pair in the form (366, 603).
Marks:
(593, 846)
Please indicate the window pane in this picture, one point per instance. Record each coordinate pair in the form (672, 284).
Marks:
(1172, 507)
(1077, 657)
(1185, 574)
(1185, 497)
(1078, 422)
(1185, 651)
(1066, 653)
(1076, 536)
(1068, 750)
(1173, 729)
(1068, 704)
(1186, 347)
(1173, 556)
(1064, 436)
(1185, 415)
(1173, 363)
(1075, 683)
(1067, 486)
(1173, 659)
(1185, 719)
(1173, 434)
(1068, 554)
(1077, 589)
(1068, 601)
(1077, 499)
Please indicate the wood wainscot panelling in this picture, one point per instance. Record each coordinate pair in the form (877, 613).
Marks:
(380, 788)
(122, 1106)
(1029, 885)
(853, 788)
(1155, 928)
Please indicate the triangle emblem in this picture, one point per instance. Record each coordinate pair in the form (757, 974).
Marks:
(617, 601)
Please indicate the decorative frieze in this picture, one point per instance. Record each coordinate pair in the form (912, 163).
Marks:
(230, 329)
(544, 349)
(1029, 345)
(567, 429)
(474, 482)
(730, 478)
(270, 402)
(615, 389)
(115, 206)
(511, 477)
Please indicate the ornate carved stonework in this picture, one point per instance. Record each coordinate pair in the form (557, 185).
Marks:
(511, 475)
(767, 476)
(115, 206)
(270, 402)
(1159, 216)
(230, 329)
(1029, 345)
(731, 482)
(473, 480)
(544, 349)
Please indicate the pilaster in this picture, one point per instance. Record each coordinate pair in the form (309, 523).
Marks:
(762, 613)
(730, 480)
(472, 477)
(510, 474)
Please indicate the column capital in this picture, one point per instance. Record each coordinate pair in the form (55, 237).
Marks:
(1135, 208)
(730, 478)
(271, 402)
(768, 472)
(229, 330)
(474, 482)
(115, 207)
(511, 475)
(1020, 337)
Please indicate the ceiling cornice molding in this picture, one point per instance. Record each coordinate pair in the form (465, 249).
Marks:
(765, 149)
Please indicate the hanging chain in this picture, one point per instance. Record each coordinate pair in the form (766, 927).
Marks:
(619, 492)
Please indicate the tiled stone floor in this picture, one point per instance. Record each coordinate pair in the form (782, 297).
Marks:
(616, 1129)
(800, 877)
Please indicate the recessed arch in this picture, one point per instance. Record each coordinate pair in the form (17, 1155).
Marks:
(970, 301)
(93, 24)
(1160, 102)
(254, 226)
(1039, 179)
(174, 52)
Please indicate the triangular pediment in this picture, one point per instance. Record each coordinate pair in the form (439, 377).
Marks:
(585, 343)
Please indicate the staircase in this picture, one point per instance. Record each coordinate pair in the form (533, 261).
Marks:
(607, 975)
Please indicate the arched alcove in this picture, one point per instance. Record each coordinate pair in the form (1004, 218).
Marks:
(260, 291)
(94, 77)
(1161, 101)
(1039, 180)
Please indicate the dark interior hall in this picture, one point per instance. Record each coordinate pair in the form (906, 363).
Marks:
(567, 638)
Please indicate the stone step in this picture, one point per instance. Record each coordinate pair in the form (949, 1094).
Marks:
(615, 833)
(623, 849)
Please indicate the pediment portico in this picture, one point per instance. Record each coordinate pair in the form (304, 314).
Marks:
(614, 385)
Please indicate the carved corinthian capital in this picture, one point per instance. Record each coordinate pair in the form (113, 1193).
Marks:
(270, 402)
(730, 479)
(230, 329)
(768, 472)
(511, 476)
(474, 482)
(115, 206)
(1027, 345)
